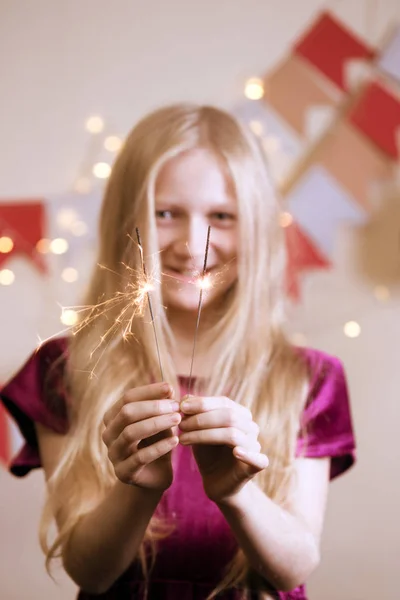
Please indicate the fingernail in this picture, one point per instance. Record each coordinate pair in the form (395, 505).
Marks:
(240, 452)
(185, 405)
(166, 388)
(174, 406)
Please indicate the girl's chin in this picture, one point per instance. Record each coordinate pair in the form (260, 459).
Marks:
(189, 304)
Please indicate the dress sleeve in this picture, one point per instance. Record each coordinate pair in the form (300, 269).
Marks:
(36, 394)
(327, 426)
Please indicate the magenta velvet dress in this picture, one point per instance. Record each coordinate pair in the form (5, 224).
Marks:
(191, 561)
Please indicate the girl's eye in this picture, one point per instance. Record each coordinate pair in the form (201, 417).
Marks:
(164, 214)
(222, 216)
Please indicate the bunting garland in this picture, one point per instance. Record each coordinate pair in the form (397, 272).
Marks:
(340, 140)
(327, 151)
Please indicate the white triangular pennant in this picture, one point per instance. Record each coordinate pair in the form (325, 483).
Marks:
(318, 119)
(357, 71)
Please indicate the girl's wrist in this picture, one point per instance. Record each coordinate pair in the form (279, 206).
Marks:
(136, 493)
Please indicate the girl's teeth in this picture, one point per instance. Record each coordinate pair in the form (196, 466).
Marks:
(187, 273)
(192, 274)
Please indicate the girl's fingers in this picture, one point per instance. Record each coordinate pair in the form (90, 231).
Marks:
(153, 391)
(128, 470)
(255, 460)
(191, 405)
(228, 436)
(253, 445)
(220, 417)
(135, 412)
(126, 443)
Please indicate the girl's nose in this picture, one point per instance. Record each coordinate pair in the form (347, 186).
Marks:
(193, 239)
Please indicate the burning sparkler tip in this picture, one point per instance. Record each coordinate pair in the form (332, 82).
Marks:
(204, 282)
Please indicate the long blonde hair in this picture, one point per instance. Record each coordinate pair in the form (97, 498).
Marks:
(253, 358)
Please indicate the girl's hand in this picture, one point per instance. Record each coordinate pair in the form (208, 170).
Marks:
(139, 436)
(225, 445)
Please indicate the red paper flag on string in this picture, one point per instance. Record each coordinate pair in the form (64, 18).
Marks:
(377, 115)
(24, 223)
(303, 256)
(328, 45)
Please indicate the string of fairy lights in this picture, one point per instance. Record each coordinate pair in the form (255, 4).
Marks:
(68, 219)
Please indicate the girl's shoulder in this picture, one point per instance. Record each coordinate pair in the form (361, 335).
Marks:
(52, 349)
(36, 393)
(325, 371)
(327, 421)
(317, 359)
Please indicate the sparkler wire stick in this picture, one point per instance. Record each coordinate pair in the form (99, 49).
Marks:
(149, 302)
(199, 309)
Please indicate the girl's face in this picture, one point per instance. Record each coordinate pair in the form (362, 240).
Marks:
(193, 191)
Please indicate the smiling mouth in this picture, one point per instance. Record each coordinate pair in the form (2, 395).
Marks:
(187, 275)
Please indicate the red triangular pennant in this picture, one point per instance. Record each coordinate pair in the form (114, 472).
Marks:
(303, 256)
(328, 45)
(377, 115)
(24, 223)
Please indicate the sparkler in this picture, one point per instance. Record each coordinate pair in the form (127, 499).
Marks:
(146, 292)
(204, 282)
(130, 302)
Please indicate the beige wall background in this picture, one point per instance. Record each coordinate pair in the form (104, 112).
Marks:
(62, 62)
